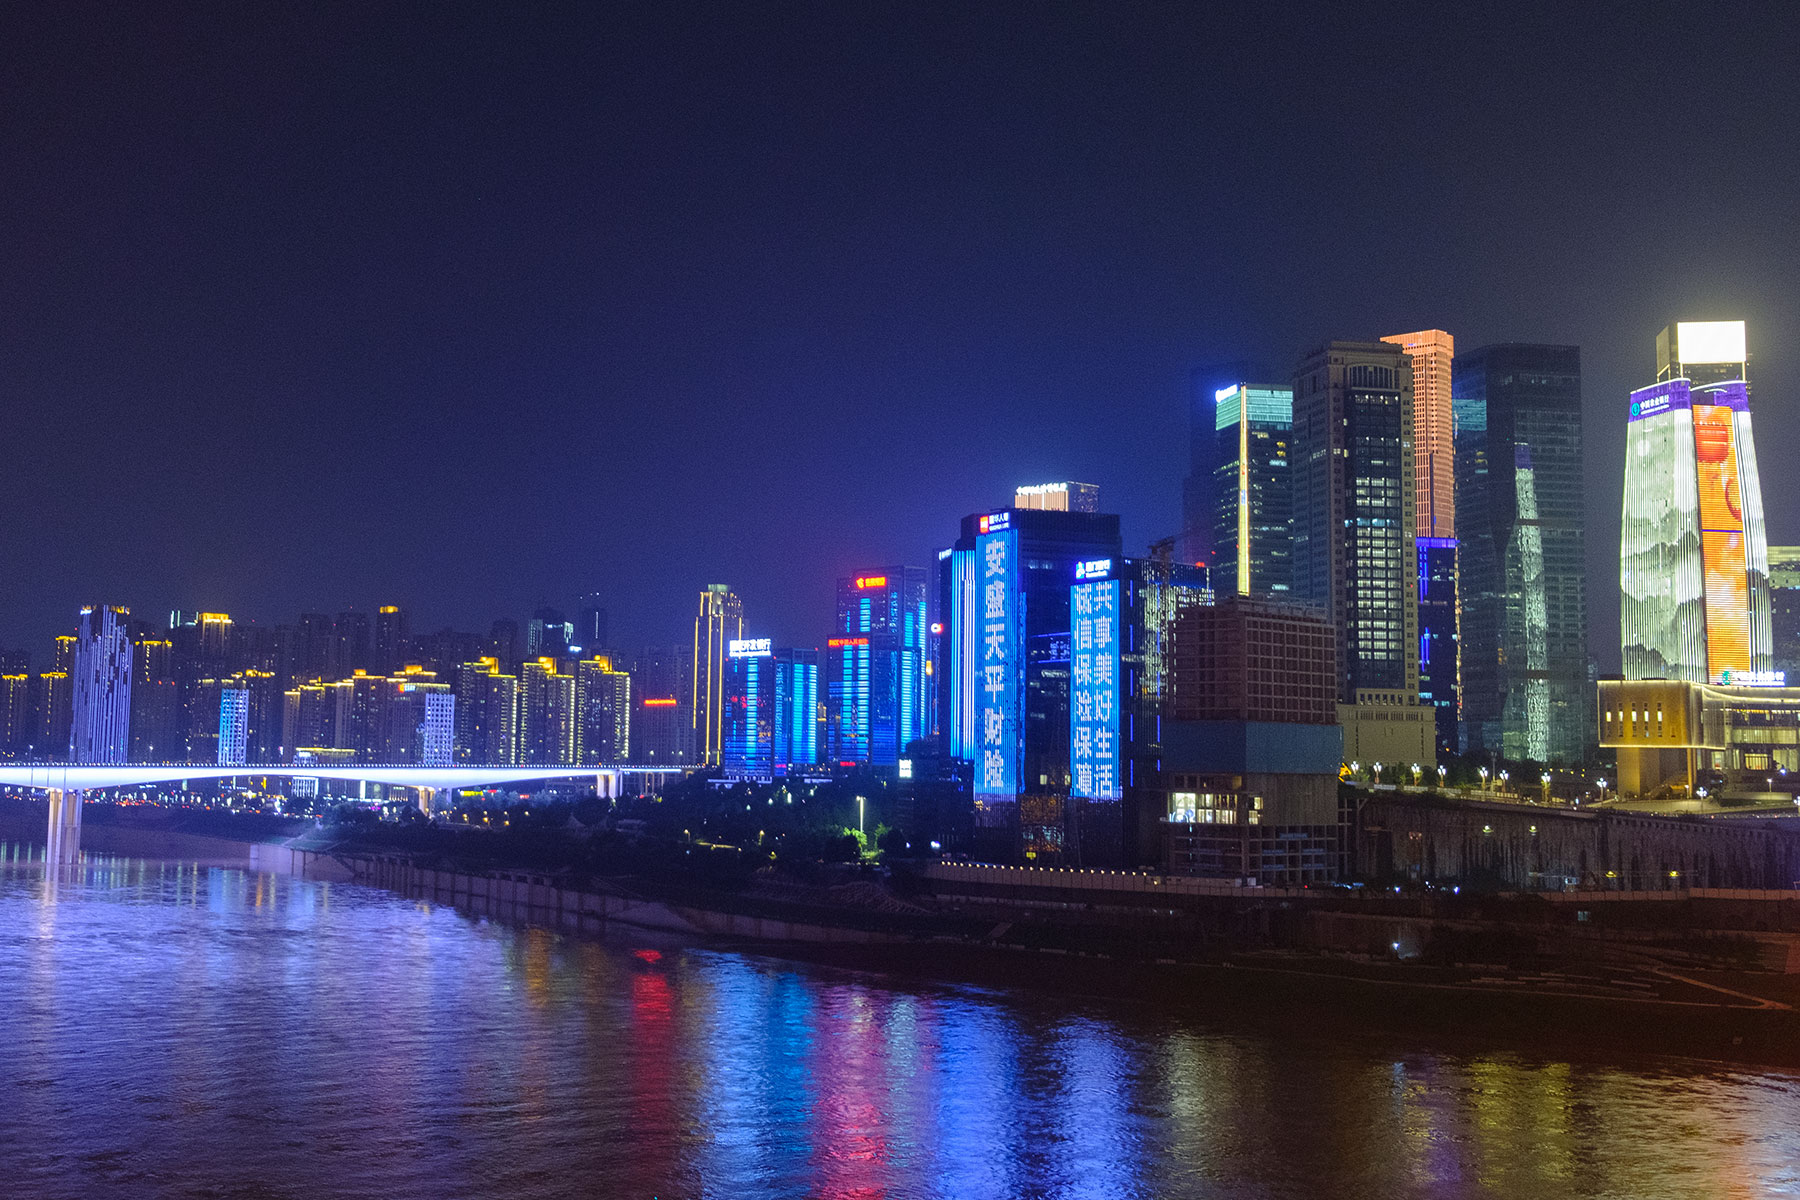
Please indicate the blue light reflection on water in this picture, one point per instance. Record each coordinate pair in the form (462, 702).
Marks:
(180, 1029)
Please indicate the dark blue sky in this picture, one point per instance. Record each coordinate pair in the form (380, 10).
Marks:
(467, 309)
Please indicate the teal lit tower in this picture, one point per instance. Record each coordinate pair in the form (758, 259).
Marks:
(1253, 497)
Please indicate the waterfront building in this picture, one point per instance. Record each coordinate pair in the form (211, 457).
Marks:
(603, 712)
(417, 719)
(1675, 737)
(100, 728)
(719, 622)
(62, 656)
(876, 668)
(1694, 567)
(1007, 583)
(1251, 743)
(1521, 557)
(1058, 497)
(1253, 499)
(1439, 681)
(1354, 553)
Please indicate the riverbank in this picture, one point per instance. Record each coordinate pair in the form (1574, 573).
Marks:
(1558, 997)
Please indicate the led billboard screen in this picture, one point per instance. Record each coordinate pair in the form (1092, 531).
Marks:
(1094, 690)
(997, 663)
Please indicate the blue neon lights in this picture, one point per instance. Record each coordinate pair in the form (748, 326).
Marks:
(1094, 693)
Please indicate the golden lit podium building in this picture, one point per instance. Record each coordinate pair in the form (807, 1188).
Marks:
(1700, 701)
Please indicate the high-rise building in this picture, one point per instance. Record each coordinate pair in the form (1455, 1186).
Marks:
(1353, 510)
(1253, 498)
(1784, 611)
(418, 716)
(487, 713)
(603, 712)
(1058, 497)
(591, 632)
(15, 715)
(62, 657)
(1433, 353)
(52, 703)
(1521, 569)
(876, 668)
(1007, 590)
(391, 636)
(548, 634)
(234, 726)
(546, 713)
(503, 643)
(350, 644)
(1694, 564)
(1354, 521)
(155, 700)
(100, 729)
(662, 731)
(771, 710)
(719, 622)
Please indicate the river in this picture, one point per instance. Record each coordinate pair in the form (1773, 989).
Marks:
(182, 1029)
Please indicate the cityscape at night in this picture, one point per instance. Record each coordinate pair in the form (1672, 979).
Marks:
(649, 601)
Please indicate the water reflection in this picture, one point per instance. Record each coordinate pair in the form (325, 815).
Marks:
(177, 1029)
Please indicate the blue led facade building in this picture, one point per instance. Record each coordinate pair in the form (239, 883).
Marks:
(876, 668)
(1007, 700)
(771, 724)
(1253, 491)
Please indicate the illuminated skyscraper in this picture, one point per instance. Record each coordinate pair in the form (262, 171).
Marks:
(155, 701)
(1784, 609)
(1694, 562)
(719, 622)
(603, 712)
(1253, 498)
(487, 713)
(1353, 511)
(100, 729)
(591, 632)
(1521, 557)
(875, 690)
(234, 725)
(1432, 352)
(546, 713)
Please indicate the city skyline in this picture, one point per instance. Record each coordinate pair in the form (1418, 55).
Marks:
(303, 388)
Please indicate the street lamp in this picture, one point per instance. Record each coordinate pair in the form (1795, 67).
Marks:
(1504, 776)
(1545, 780)
(1416, 774)
(1442, 771)
(859, 814)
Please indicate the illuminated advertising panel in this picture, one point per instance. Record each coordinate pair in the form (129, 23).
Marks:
(1664, 397)
(1711, 341)
(748, 648)
(1094, 690)
(1726, 567)
(998, 665)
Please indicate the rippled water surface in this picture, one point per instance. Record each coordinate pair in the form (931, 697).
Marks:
(168, 1029)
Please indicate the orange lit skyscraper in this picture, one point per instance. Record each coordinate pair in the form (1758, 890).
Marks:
(1434, 451)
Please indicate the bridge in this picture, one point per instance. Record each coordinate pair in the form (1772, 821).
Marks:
(65, 782)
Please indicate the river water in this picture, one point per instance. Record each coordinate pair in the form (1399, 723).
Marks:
(176, 1029)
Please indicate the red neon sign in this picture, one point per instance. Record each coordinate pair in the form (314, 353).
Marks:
(659, 703)
(869, 581)
(834, 643)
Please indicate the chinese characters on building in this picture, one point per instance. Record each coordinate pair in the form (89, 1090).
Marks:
(1094, 690)
(996, 767)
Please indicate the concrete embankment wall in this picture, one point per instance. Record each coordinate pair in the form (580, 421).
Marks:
(536, 899)
(1528, 846)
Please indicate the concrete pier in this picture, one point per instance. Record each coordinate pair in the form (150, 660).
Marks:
(62, 846)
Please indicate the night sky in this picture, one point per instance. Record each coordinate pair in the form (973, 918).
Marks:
(308, 307)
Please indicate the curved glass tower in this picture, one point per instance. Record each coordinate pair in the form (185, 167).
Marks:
(1693, 558)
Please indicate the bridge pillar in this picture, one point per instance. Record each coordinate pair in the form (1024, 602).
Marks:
(428, 799)
(62, 845)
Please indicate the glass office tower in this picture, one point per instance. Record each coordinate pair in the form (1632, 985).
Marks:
(1253, 499)
(1521, 573)
(876, 691)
